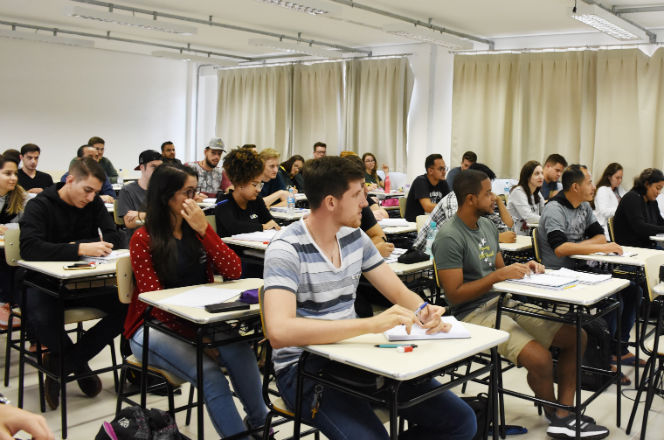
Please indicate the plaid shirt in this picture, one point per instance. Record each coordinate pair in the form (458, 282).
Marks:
(444, 211)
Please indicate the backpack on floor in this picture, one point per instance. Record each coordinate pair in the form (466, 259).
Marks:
(479, 404)
(135, 423)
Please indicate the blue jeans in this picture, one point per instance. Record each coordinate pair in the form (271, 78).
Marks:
(179, 358)
(630, 301)
(342, 416)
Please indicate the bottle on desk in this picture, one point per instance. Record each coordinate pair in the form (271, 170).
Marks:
(431, 236)
(290, 203)
(387, 184)
(119, 181)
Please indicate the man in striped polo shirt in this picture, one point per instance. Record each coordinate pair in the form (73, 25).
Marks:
(312, 269)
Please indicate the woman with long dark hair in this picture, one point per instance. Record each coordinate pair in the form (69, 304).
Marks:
(371, 176)
(525, 203)
(176, 248)
(608, 195)
(291, 172)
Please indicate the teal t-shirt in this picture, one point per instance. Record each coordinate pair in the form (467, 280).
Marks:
(473, 250)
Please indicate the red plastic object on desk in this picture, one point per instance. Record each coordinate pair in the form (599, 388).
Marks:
(387, 184)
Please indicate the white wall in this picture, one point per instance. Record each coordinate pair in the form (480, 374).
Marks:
(59, 96)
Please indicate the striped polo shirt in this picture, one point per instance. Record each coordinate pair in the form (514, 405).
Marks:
(293, 262)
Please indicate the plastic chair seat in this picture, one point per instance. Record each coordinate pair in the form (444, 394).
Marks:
(80, 314)
(172, 379)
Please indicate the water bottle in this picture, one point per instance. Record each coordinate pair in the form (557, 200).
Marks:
(291, 201)
(387, 184)
(431, 236)
(119, 176)
(508, 186)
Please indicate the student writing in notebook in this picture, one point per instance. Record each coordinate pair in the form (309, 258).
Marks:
(469, 262)
(176, 248)
(312, 269)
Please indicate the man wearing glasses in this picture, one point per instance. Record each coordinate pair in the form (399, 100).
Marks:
(427, 189)
(209, 174)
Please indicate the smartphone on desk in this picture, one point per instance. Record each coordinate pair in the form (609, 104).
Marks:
(79, 266)
(226, 307)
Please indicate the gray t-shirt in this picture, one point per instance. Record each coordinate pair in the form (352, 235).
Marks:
(559, 215)
(131, 198)
(474, 250)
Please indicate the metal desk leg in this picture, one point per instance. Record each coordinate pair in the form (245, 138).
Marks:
(501, 405)
(619, 368)
(579, 362)
(493, 394)
(394, 411)
(61, 364)
(144, 357)
(199, 381)
(298, 395)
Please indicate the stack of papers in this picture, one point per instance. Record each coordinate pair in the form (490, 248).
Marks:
(546, 281)
(201, 297)
(114, 255)
(261, 236)
(394, 256)
(393, 222)
(582, 277)
(624, 254)
(285, 209)
(398, 333)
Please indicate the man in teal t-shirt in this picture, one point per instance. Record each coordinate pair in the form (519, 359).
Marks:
(469, 262)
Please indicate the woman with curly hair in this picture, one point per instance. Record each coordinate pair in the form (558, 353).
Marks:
(291, 172)
(243, 209)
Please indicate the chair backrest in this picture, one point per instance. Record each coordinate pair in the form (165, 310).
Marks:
(612, 234)
(212, 221)
(261, 305)
(536, 245)
(118, 220)
(420, 221)
(402, 207)
(125, 279)
(12, 246)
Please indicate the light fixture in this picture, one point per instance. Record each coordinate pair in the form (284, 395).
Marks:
(311, 7)
(607, 22)
(428, 36)
(293, 47)
(130, 20)
(196, 58)
(45, 38)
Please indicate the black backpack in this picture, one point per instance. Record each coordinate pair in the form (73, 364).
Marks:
(135, 423)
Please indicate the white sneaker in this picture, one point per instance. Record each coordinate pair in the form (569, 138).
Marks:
(565, 428)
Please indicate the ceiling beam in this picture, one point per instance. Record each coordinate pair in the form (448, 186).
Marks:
(619, 10)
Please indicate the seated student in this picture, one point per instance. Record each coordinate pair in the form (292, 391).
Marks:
(320, 150)
(447, 207)
(553, 169)
(209, 174)
(242, 209)
(427, 189)
(467, 159)
(176, 248)
(168, 154)
(371, 177)
(100, 145)
(608, 195)
(31, 179)
(131, 200)
(568, 227)
(469, 262)
(62, 224)
(226, 184)
(291, 172)
(274, 191)
(637, 216)
(107, 193)
(525, 203)
(312, 269)
(12, 204)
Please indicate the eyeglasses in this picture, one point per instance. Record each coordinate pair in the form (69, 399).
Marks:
(190, 193)
(258, 185)
(369, 160)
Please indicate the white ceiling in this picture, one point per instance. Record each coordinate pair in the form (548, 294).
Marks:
(506, 22)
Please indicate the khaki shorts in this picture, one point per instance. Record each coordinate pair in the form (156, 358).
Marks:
(522, 329)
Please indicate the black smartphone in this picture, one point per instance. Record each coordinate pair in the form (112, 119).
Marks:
(226, 307)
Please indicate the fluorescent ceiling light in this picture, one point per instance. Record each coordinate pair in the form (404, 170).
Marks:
(293, 47)
(195, 58)
(311, 7)
(130, 20)
(428, 36)
(607, 22)
(44, 38)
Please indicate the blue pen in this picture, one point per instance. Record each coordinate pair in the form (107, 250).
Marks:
(419, 309)
(221, 202)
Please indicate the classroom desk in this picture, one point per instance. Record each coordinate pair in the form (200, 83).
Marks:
(431, 357)
(399, 230)
(518, 252)
(50, 278)
(380, 194)
(657, 238)
(532, 224)
(280, 213)
(577, 298)
(202, 321)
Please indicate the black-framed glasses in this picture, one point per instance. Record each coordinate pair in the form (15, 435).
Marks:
(190, 193)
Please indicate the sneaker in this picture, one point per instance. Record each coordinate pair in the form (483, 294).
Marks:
(51, 386)
(565, 428)
(91, 385)
(258, 435)
(584, 418)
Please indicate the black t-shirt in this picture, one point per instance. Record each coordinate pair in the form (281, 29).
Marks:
(231, 219)
(41, 180)
(192, 269)
(368, 219)
(420, 189)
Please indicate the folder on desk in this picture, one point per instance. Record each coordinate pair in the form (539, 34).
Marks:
(398, 333)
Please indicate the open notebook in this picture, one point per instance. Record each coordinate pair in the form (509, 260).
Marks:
(546, 281)
(398, 333)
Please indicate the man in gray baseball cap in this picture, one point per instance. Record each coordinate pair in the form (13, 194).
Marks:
(209, 174)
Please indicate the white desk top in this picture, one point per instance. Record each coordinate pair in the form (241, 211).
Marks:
(405, 269)
(428, 356)
(532, 224)
(260, 245)
(523, 242)
(640, 259)
(56, 269)
(109, 207)
(582, 295)
(393, 230)
(658, 237)
(280, 214)
(200, 316)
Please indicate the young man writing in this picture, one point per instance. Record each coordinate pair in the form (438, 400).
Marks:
(427, 189)
(31, 179)
(312, 269)
(469, 262)
(62, 224)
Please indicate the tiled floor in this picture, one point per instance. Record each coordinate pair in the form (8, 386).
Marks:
(86, 415)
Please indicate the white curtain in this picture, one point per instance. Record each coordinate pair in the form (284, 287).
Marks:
(253, 107)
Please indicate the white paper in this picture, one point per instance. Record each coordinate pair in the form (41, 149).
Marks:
(260, 236)
(394, 222)
(201, 297)
(582, 277)
(613, 254)
(546, 280)
(394, 256)
(210, 201)
(398, 333)
(114, 255)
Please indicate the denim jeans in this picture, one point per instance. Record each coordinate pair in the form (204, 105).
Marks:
(630, 301)
(179, 358)
(342, 416)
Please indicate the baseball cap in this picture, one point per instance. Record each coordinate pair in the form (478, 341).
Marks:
(216, 144)
(147, 156)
